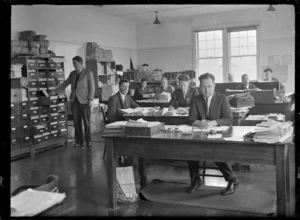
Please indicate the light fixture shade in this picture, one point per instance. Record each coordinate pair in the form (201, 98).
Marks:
(271, 9)
(156, 19)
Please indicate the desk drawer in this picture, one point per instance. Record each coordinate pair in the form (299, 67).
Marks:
(20, 131)
(38, 129)
(54, 101)
(42, 74)
(60, 81)
(32, 75)
(59, 65)
(46, 136)
(14, 108)
(54, 117)
(26, 141)
(33, 84)
(51, 83)
(44, 110)
(53, 108)
(14, 120)
(62, 98)
(32, 93)
(24, 107)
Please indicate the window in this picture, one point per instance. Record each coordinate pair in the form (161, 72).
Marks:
(229, 50)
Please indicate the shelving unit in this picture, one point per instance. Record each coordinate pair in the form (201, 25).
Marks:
(40, 122)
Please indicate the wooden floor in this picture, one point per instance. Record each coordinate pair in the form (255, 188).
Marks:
(82, 176)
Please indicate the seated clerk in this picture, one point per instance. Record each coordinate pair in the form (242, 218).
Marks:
(141, 90)
(182, 97)
(270, 77)
(230, 77)
(120, 100)
(210, 109)
(245, 84)
(164, 87)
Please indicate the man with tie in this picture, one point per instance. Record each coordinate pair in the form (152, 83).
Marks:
(81, 97)
(210, 109)
(182, 97)
(120, 100)
(246, 85)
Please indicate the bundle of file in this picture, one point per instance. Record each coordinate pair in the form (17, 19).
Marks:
(164, 97)
(115, 129)
(272, 131)
(107, 55)
(16, 70)
(109, 90)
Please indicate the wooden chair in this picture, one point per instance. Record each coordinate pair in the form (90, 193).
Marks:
(105, 120)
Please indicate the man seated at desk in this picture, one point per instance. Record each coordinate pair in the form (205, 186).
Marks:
(210, 109)
(164, 87)
(120, 100)
(141, 90)
(270, 77)
(245, 84)
(182, 97)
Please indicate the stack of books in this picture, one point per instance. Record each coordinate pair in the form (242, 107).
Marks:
(115, 129)
(108, 91)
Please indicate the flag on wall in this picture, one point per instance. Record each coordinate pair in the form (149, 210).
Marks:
(131, 64)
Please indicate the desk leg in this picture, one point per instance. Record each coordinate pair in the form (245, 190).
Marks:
(111, 173)
(142, 171)
(281, 179)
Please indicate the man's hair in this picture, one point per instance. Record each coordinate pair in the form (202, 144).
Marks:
(244, 75)
(183, 77)
(143, 80)
(268, 69)
(123, 81)
(145, 64)
(163, 78)
(78, 59)
(207, 76)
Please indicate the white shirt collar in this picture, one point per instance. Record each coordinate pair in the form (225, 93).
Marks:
(123, 96)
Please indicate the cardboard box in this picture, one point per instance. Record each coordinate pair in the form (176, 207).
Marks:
(237, 103)
(144, 131)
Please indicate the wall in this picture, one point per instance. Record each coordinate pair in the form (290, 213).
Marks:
(277, 37)
(68, 28)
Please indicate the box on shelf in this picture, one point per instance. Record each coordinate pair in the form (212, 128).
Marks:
(16, 95)
(144, 131)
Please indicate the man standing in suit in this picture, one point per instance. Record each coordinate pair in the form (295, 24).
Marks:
(182, 97)
(120, 100)
(81, 97)
(245, 84)
(210, 109)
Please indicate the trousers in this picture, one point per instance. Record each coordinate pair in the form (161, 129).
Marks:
(225, 168)
(81, 112)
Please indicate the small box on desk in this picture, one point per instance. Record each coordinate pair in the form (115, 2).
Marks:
(237, 103)
(144, 130)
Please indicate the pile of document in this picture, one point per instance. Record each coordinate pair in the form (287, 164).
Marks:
(164, 96)
(109, 90)
(273, 131)
(16, 70)
(116, 128)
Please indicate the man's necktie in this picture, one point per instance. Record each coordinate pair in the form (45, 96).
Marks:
(206, 108)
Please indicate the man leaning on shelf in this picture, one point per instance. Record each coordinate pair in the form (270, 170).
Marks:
(81, 97)
(210, 109)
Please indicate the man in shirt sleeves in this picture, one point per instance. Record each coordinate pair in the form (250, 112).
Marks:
(120, 100)
(210, 109)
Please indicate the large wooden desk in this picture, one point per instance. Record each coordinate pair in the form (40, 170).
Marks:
(283, 108)
(185, 147)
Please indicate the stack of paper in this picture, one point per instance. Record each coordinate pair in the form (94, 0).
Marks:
(32, 202)
(115, 128)
(164, 96)
(108, 91)
(16, 70)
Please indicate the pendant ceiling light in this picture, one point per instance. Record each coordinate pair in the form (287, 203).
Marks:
(271, 9)
(156, 19)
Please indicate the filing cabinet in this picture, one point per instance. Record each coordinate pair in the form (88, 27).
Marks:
(38, 129)
(54, 117)
(53, 134)
(32, 75)
(14, 108)
(24, 107)
(42, 83)
(53, 108)
(26, 141)
(44, 110)
(62, 124)
(51, 74)
(32, 92)
(46, 136)
(62, 132)
(60, 74)
(51, 65)
(34, 111)
(37, 139)
(60, 81)
(53, 126)
(33, 84)
(44, 118)
(33, 101)
(62, 116)
(24, 118)
(61, 107)
(15, 120)
(35, 120)
(42, 65)
(51, 82)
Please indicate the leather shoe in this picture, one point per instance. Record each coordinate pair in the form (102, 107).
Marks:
(78, 145)
(195, 184)
(231, 187)
(88, 144)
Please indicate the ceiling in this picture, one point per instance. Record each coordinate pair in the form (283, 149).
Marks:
(146, 13)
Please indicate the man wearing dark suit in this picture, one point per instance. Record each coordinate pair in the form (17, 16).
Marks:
(141, 90)
(210, 109)
(245, 84)
(183, 96)
(270, 77)
(120, 100)
(81, 97)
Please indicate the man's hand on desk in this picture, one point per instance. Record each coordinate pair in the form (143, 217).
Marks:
(205, 123)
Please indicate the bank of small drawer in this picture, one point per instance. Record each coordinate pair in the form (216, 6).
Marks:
(60, 81)
(38, 129)
(59, 65)
(52, 65)
(53, 100)
(34, 111)
(33, 101)
(34, 120)
(53, 126)
(53, 108)
(15, 120)
(51, 83)
(50, 89)
(24, 107)
(44, 118)
(46, 136)
(31, 65)
(37, 139)
(24, 118)
(54, 134)
(14, 108)
(47, 127)
(51, 74)
(42, 74)
(26, 141)
(20, 131)
(15, 143)
(62, 132)
(33, 92)
(54, 117)
(33, 84)
(42, 65)
(62, 116)
(61, 107)
(62, 98)
(44, 110)
(32, 75)
(42, 83)
(62, 124)
(60, 74)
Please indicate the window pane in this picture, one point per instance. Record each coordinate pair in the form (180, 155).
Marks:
(243, 51)
(218, 52)
(218, 34)
(252, 50)
(243, 42)
(202, 45)
(235, 51)
(210, 35)
(210, 53)
(252, 33)
(218, 44)
(234, 42)
(210, 44)
(242, 33)
(252, 41)
(241, 65)
(213, 66)
(201, 36)
(202, 53)
(234, 35)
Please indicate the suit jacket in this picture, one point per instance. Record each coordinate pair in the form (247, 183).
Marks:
(85, 86)
(170, 89)
(178, 100)
(281, 86)
(242, 87)
(139, 92)
(219, 109)
(115, 103)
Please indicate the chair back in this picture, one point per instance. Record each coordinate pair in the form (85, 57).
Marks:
(104, 116)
